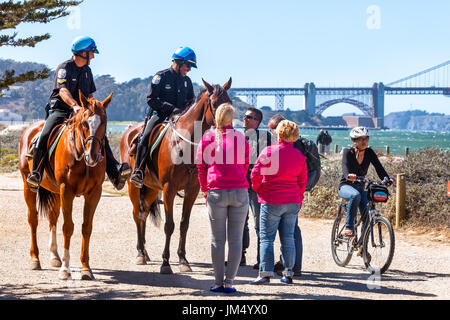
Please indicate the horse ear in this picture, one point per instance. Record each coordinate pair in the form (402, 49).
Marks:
(107, 101)
(208, 87)
(227, 85)
(83, 100)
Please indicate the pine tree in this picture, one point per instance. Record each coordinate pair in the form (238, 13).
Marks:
(13, 13)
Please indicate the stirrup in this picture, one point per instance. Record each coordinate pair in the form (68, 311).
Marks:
(137, 178)
(34, 181)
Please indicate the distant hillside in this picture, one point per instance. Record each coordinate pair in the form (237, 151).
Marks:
(129, 102)
(417, 120)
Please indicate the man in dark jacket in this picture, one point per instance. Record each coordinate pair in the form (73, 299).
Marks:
(171, 92)
(72, 76)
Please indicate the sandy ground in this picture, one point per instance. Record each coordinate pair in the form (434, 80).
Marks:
(420, 270)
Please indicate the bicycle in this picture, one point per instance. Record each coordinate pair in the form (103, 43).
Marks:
(377, 241)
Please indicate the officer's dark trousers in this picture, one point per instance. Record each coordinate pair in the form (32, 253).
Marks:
(154, 120)
(56, 117)
(144, 140)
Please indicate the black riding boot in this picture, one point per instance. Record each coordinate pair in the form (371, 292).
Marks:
(117, 173)
(35, 177)
(137, 177)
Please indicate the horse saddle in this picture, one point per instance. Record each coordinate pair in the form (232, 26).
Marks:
(55, 136)
(155, 144)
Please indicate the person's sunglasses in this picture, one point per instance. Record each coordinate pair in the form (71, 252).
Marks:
(249, 117)
(363, 139)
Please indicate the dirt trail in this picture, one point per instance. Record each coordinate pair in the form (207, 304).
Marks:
(420, 270)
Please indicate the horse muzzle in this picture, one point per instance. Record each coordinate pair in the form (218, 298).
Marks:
(90, 161)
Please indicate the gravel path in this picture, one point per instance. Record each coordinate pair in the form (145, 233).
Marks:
(420, 270)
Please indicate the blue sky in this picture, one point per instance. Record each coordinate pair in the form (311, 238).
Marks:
(262, 43)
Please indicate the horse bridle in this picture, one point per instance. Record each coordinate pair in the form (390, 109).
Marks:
(210, 108)
(84, 142)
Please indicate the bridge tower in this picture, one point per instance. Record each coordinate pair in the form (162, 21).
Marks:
(252, 99)
(378, 92)
(279, 102)
(310, 98)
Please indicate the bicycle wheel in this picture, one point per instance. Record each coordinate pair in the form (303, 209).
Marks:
(341, 247)
(378, 246)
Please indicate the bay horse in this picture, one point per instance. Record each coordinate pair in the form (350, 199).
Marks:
(174, 175)
(76, 167)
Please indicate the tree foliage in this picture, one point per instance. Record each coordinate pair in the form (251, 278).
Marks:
(12, 14)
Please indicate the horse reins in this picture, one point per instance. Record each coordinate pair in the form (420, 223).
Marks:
(83, 154)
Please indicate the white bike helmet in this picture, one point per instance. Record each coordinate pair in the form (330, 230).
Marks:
(359, 132)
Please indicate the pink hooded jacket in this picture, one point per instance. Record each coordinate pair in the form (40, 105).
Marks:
(224, 169)
(280, 174)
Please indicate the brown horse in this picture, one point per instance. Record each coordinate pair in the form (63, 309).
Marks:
(174, 163)
(76, 167)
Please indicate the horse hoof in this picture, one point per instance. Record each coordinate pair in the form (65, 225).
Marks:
(87, 275)
(141, 261)
(147, 258)
(166, 270)
(185, 268)
(36, 265)
(55, 263)
(64, 275)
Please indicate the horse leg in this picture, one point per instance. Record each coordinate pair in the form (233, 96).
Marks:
(142, 256)
(55, 260)
(190, 195)
(68, 226)
(30, 199)
(169, 196)
(90, 204)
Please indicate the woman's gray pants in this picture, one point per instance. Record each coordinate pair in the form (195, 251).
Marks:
(227, 210)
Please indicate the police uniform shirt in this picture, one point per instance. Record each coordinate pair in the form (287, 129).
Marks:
(68, 75)
(169, 90)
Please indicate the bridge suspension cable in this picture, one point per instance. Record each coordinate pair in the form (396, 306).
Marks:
(439, 73)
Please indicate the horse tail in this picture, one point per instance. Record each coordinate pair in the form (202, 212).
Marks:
(155, 212)
(46, 200)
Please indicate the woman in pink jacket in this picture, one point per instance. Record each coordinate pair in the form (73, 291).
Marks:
(222, 162)
(279, 178)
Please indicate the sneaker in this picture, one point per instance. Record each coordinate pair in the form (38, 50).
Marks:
(287, 280)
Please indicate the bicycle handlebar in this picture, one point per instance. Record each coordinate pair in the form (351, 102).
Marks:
(386, 181)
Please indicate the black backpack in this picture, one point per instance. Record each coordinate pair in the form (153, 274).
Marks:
(311, 152)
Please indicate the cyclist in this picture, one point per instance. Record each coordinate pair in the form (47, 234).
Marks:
(355, 163)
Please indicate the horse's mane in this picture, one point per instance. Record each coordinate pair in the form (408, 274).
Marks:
(218, 89)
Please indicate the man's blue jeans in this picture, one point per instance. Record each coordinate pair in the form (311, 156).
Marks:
(356, 197)
(283, 218)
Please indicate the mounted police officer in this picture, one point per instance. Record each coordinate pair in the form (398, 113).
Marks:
(171, 92)
(70, 77)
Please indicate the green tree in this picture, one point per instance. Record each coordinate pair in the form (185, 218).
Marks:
(13, 13)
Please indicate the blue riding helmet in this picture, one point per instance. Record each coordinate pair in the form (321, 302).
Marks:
(187, 55)
(84, 44)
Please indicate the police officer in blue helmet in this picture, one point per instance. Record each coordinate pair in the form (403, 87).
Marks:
(71, 76)
(171, 92)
